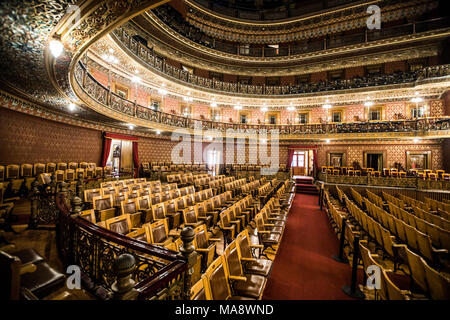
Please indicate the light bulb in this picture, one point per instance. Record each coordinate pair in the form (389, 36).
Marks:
(56, 48)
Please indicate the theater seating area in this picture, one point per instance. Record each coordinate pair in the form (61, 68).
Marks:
(406, 238)
(228, 217)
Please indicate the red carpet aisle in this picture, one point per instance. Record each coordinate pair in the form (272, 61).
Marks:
(303, 267)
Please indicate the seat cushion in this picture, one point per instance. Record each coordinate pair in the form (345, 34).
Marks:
(252, 288)
(28, 256)
(43, 281)
(276, 229)
(260, 266)
(271, 238)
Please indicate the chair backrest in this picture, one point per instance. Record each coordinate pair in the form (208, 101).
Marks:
(61, 166)
(12, 171)
(139, 234)
(39, 168)
(190, 216)
(217, 279)
(129, 206)
(243, 243)
(144, 203)
(159, 211)
(50, 167)
(233, 260)
(416, 266)
(120, 224)
(26, 170)
(10, 276)
(89, 215)
(198, 291)
(102, 202)
(438, 285)
(118, 198)
(91, 193)
(201, 237)
(159, 231)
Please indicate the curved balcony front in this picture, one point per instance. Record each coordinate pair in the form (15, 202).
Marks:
(106, 102)
(144, 54)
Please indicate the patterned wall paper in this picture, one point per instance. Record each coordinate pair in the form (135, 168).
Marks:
(392, 110)
(29, 139)
(394, 152)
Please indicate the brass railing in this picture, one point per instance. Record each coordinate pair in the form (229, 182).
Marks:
(159, 65)
(159, 273)
(404, 182)
(106, 97)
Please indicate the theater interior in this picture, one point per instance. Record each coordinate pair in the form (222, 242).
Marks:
(224, 150)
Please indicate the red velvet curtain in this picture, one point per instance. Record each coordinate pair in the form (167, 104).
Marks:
(290, 157)
(106, 150)
(135, 159)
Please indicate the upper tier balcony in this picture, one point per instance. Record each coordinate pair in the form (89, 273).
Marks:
(158, 65)
(103, 100)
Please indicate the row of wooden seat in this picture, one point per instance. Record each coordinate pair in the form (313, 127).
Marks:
(433, 283)
(14, 171)
(384, 241)
(407, 234)
(237, 274)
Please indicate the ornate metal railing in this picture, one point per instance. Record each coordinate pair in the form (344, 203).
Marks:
(159, 65)
(102, 95)
(159, 273)
(404, 182)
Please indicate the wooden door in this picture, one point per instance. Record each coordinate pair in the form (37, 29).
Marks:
(298, 163)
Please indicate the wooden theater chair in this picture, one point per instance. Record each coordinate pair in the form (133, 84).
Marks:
(103, 206)
(243, 284)
(217, 284)
(205, 245)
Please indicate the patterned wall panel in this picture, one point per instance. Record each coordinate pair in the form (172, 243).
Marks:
(394, 110)
(29, 139)
(395, 152)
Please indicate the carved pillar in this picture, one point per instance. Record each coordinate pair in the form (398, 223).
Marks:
(77, 204)
(79, 186)
(32, 224)
(123, 287)
(189, 253)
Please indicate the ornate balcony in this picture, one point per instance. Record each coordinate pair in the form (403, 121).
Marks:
(157, 64)
(104, 101)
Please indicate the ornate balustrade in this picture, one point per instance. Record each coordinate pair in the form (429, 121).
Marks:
(105, 97)
(406, 182)
(159, 65)
(159, 273)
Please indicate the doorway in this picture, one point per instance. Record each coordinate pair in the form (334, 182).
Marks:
(213, 162)
(302, 162)
(121, 156)
(375, 161)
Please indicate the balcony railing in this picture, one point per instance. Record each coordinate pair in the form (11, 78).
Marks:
(105, 97)
(168, 16)
(155, 63)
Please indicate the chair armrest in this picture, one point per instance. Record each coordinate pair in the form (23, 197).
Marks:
(8, 248)
(262, 231)
(27, 294)
(269, 225)
(11, 199)
(260, 246)
(202, 250)
(214, 239)
(439, 251)
(247, 259)
(28, 268)
(238, 278)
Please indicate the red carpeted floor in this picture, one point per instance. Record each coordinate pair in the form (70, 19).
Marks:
(303, 267)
